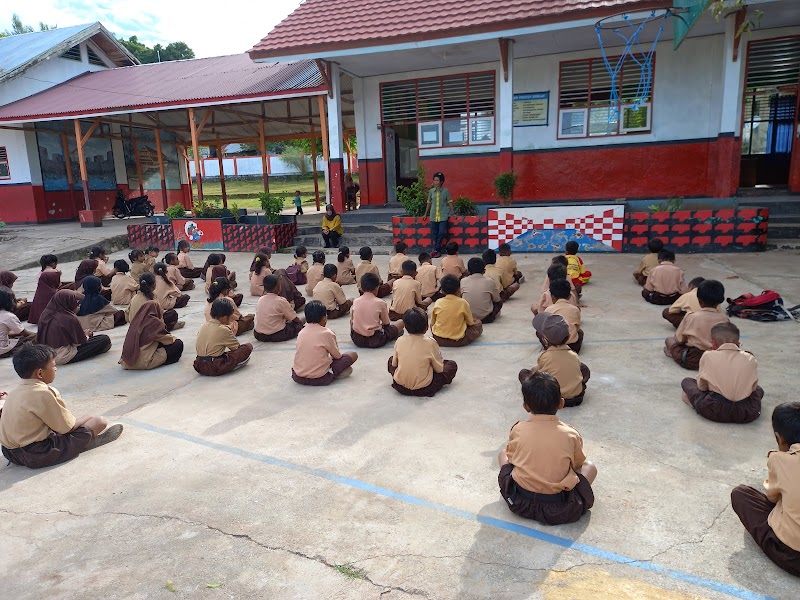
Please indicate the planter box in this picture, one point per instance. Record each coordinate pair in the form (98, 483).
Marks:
(471, 233)
(151, 234)
(91, 218)
(248, 238)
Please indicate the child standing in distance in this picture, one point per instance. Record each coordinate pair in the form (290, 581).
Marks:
(684, 305)
(407, 292)
(494, 273)
(298, 203)
(123, 286)
(317, 358)
(560, 291)
(544, 474)
(558, 359)
(773, 518)
(555, 272)
(174, 273)
(345, 267)
(331, 294)
(452, 264)
(396, 262)
(429, 275)
(12, 333)
(665, 283)
(259, 270)
(314, 274)
(37, 430)
(188, 270)
(693, 337)
(417, 367)
(370, 325)
(452, 324)
(276, 320)
(218, 351)
(480, 292)
(649, 261)
(726, 389)
(508, 266)
(366, 266)
(576, 270)
(138, 265)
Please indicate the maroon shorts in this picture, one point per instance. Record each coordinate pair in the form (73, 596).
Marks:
(214, 366)
(437, 383)
(718, 408)
(55, 449)
(337, 367)
(686, 356)
(287, 333)
(380, 338)
(659, 298)
(472, 333)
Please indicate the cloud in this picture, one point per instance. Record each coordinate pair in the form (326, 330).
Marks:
(210, 28)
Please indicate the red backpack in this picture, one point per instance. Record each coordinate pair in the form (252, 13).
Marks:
(766, 306)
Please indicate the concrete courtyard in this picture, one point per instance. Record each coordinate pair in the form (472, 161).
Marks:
(250, 486)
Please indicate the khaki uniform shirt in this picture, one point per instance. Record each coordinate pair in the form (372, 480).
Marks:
(138, 269)
(174, 275)
(330, 294)
(166, 294)
(257, 282)
(123, 288)
(695, 329)
(508, 267)
(406, 294)
(496, 275)
(450, 317)
(32, 410)
(545, 453)
(102, 268)
(563, 364)
(666, 279)
(546, 300)
(687, 303)
(396, 264)
(347, 272)
(184, 262)
(135, 304)
(316, 348)
(783, 488)
(313, 277)
(417, 358)
(273, 312)
(429, 275)
(481, 294)
(453, 265)
(363, 268)
(214, 339)
(571, 313)
(369, 314)
(728, 371)
(648, 263)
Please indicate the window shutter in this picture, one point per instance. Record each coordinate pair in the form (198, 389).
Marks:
(399, 102)
(481, 94)
(93, 58)
(454, 93)
(773, 64)
(3, 153)
(574, 84)
(73, 53)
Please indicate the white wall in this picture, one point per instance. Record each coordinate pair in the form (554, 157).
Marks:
(18, 164)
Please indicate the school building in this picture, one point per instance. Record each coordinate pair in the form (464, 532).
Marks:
(475, 88)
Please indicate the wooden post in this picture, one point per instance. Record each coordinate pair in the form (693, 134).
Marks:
(263, 148)
(313, 153)
(222, 175)
(138, 166)
(196, 152)
(323, 125)
(68, 165)
(82, 163)
(161, 169)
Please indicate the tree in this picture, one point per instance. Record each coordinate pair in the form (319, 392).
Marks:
(176, 51)
(158, 53)
(17, 27)
(719, 8)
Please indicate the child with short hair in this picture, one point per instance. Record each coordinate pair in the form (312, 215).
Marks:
(429, 275)
(37, 430)
(345, 266)
(693, 337)
(452, 324)
(259, 270)
(317, 358)
(299, 267)
(174, 273)
(370, 325)
(687, 303)
(138, 264)
(649, 261)
(480, 292)
(314, 274)
(366, 266)
(665, 283)
(576, 270)
(494, 273)
(544, 474)
(218, 351)
(298, 203)
(187, 268)
(773, 519)
(221, 289)
(123, 286)
(407, 292)
(508, 266)
(12, 333)
(560, 291)
(452, 264)
(331, 293)
(396, 262)
(726, 389)
(276, 319)
(555, 272)
(417, 366)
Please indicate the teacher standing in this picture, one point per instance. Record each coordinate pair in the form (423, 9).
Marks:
(332, 228)
(439, 208)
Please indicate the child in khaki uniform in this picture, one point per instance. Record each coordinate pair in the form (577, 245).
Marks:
(218, 351)
(684, 305)
(174, 273)
(665, 283)
(429, 275)
(366, 266)
(557, 358)
(347, 270)
(314, 274)
(331, 293)
(773, 519)
(480, 292)
(123, 286)
(452, 263)
(649, 261)
(508, 266)
(370, 325)
(317, 358)
(396, 262)
(693, 337)
(407, 292)
(494, 273)
(276, 319)
(452, 324)
(188, 270)
(555, 272)
(726, 389)
(417, 366)
(560, 292)
(544, 474)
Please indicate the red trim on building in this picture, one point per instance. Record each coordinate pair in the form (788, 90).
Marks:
(372, 181)
(336, 172)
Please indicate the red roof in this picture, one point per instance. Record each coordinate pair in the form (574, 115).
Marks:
(326, 25)
(167, 84)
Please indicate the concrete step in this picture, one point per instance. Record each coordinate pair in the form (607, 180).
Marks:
(376, 250)
(758, 192)
(783, 244)
(784, 230)
(777, 205)
(354, 241)
(351, 229)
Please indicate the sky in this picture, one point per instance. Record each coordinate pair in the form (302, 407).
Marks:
(210, 28)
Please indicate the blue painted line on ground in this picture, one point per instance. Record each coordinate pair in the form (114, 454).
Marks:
(517, 528)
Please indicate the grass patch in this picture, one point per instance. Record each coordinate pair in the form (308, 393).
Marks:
(351, 571)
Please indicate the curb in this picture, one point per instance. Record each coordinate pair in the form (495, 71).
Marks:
(111, 244)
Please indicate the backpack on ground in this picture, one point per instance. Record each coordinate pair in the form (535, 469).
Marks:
(766, 306)
(295, 274)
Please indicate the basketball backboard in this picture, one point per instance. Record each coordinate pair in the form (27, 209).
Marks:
(685, 19)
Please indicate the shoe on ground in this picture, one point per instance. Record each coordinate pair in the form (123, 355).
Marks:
(109, 435)
(179, 325)
(346, 373)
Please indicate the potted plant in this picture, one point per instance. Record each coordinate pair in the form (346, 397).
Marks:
(504, 185)
(414, 197)
(464, 207)
(176, 211)
(208, 210)
(272, 205)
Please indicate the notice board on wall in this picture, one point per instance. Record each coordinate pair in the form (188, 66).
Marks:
(531, 110)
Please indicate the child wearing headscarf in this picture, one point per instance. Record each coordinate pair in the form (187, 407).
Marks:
(148, 344)
(60, 329)
(95, 312)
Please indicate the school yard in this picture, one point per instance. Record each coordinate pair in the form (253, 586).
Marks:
(249, 486)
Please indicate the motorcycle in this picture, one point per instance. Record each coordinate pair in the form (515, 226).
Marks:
(133, 207)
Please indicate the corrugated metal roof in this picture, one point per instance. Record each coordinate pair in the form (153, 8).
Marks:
(324, 25)
(166, 84)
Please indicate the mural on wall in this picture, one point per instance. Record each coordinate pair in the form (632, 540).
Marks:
(202, 234)
(549, 228)
(148, 160)
(99, 159)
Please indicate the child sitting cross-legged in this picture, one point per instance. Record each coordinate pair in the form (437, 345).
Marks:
(188, 270)
(773, 519)
(429, 275)
(557, 358)
(366, 266)
(665, 283)
(276, 319)
(560, 292)
(174, 273)
(317, 358)
(555, 272)
(370, 325)
(576, 270)
(221, 288)
(480, 292)
(684, 305)
(452, 323)
(314, 274)
(649, 261)
(726, 389)
(396, 262)
(417, 366)
(123, 285)
(494, 273)
(508, 266)
(407, 292)
(218, 351)
(37, 430)
(452, 263)
(693, 337)
(331, 293)
(544, 474)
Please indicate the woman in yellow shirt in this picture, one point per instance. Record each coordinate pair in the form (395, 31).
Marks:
(331, 227)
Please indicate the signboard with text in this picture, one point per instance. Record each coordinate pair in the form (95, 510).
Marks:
(531, 110)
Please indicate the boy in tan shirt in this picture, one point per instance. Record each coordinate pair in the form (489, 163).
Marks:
(693, 337)
(684, 305)
(560, 292)
(407, 292)
(508, 266)
(396, 262)
(544, 474)
(649, 261)
(429, 275)
(370, 325)
(665, 283)
(276, 319)
(494, 273)
(480, 292)
(555, 272)
(36, 429)
(773, 519)
(452, 324)
(314, 274)
(218, 350)
(417, 366)
(452, 263)
(366, 266)
(331, 293)
(726, 389)
(317, 358)
(557, 358)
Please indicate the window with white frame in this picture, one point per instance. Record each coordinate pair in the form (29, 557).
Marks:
(585, 108)
(450, 111)
(5, 172)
